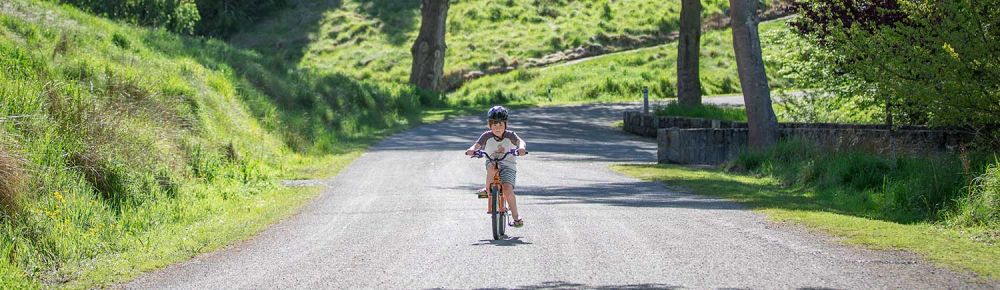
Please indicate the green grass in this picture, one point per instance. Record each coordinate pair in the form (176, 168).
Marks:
(703, 111)
(621, 77)
(126, 149)
(372, 38)
(917, 204)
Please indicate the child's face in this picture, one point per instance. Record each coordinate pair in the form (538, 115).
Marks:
(497, 127)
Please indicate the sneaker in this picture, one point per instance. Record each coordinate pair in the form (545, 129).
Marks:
(517, 223)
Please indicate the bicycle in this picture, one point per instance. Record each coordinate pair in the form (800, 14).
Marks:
(495, 193)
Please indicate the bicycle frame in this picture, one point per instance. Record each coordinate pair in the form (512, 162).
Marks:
(495, 200)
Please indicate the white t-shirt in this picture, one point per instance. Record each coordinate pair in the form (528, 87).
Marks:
(490, 142)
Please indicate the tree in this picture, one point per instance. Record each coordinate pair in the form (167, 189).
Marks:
(688, 49)
(936, 62)
(428, 51)
(762, 123)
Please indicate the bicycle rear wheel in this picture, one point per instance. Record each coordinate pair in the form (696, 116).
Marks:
(496, 214)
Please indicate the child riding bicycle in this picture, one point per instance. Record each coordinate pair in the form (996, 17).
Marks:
(496, 141)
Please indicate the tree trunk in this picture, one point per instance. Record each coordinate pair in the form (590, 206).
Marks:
(428, 50)
(688, 50)
(762, 123)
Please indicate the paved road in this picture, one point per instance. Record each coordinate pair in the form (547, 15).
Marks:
(404, 216)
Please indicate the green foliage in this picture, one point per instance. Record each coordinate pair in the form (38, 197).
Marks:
(980, 207)
(908, 189)
(703, 111)
(937, 67)
(179, 16)
(220, 18)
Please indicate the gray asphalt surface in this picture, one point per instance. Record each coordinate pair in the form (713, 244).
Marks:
(404, 215)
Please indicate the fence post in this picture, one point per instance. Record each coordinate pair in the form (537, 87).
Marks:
(888, 122)
(645, 100)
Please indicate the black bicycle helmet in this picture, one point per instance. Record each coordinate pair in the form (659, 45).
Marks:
(497, 114)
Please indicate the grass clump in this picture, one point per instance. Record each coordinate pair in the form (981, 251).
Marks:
(12, 180)
(723, 113)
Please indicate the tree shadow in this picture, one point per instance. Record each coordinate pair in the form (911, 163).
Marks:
(289, 31)
(571, 285)
(760, 196)
(578, 133)
(307, 106)
(398, 17)
(625, 194)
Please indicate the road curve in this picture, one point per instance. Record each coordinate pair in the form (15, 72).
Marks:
(404, 215)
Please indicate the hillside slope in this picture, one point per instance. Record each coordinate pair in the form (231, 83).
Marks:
(372, 38)
(125, 149)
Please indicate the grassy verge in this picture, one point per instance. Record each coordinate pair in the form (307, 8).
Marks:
(921, 205)
(703, 111)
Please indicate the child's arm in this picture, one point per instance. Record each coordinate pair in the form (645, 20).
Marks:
(521, 145)
(477, 145)
(472, 149)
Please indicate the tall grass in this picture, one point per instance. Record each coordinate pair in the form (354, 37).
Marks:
(703, 111)
(908, 189)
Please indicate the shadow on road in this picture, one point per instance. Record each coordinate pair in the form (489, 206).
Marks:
(582, 133)
(629, 194)
(570, 285)
(508, 242)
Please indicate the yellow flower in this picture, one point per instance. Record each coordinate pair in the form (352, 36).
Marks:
(950, 50)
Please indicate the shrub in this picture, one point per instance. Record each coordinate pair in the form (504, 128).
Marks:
(179, 16)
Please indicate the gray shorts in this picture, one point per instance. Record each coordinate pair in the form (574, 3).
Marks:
(508, 173)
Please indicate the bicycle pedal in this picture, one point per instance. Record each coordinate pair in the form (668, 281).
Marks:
(482, 196)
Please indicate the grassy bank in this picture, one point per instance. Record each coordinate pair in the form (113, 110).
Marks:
(372, 39)
(621, 77)
(124, 149)
(923, 205)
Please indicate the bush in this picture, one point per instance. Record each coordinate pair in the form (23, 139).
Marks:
(179, 16)
(935, 61)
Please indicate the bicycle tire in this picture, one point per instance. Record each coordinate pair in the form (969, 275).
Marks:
(495, 210)
(503, 218)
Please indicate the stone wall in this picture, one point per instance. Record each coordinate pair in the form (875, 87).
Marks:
(704, 141)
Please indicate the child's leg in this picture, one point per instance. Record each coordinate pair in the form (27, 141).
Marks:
(490, 172)
(508, 195)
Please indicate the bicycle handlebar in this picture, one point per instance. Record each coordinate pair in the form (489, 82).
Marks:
(480, 154)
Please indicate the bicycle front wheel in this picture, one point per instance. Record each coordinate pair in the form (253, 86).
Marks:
(495, 201)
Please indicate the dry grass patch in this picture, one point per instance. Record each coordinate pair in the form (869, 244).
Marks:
(12, 179)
